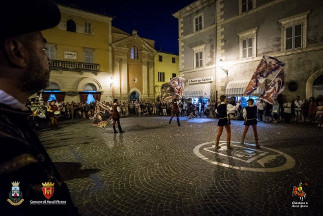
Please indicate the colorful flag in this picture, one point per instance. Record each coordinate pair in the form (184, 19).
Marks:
(267, 66)
(274, 88)
(172, 89)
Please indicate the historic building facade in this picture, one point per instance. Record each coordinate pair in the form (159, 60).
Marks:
(289, 30)
(81, 58)
(246, 30)
(197, 47)
(132, 66)
(166, 67)
(92, 60)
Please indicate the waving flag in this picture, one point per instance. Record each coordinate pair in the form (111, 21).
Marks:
(172, 89)
(274, 88)
(267, 66)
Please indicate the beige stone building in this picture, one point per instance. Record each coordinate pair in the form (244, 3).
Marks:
(133, 66)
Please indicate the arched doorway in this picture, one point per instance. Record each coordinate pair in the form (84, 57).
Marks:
(318, 86)
(134, 96)
(310, 89)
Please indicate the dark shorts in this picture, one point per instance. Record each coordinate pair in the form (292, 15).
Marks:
(224, 122)
(250, 122)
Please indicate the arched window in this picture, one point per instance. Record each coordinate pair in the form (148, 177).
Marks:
(52, 87)
(134, 53)
(71, 25)
(89, 87)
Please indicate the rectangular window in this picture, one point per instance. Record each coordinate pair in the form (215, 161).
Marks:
(246, 5)
(198, 23)
(88, 56)
(247, 48)
(173, 60)
(173, 75)
(160, 58)
(198, 59)
(87, 28)
(294, 37)
(50, 50)
(161, 76)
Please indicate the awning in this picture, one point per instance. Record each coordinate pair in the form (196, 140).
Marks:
(197, 90)
(237, 88)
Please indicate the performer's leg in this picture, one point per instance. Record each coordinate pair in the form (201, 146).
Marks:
(228, 129)
(177, 116)
(114, 126)
(119, 126)
(246, 127)
(171, 118)
(218, 137)
(254, 127)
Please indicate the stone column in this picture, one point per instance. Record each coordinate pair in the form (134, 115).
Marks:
(144, 80)
(124, 79)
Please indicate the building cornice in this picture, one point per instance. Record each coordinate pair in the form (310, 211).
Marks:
(252, 11)
(84, 14)
(191, 8)
(280, 54)
(199, 32)
(197, 69)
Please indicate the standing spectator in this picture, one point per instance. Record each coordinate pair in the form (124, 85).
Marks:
(287, 111)
(298, 103)
(260, 109)
(319, 113)
(275, 112)
(311, 109)
(268, 111)
(213, 104)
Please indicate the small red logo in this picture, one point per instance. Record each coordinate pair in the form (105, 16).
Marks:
(298, 191)
(48, 189)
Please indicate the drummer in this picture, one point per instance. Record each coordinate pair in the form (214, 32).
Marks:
(52, 110)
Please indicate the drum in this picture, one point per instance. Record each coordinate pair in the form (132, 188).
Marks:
(57, 113)
(41, 115)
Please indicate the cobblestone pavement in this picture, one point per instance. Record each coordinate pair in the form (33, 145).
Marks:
(159, 169)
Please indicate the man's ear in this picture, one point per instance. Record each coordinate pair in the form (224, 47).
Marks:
(16, 53)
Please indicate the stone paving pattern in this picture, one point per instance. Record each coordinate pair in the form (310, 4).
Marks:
(151, 169)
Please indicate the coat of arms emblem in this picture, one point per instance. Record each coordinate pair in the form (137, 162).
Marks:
(15, 195)
(48, 189)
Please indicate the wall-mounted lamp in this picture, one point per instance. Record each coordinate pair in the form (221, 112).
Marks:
(225, 70)
(111, 82)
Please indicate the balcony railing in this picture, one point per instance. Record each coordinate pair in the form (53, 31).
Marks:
(74, 66)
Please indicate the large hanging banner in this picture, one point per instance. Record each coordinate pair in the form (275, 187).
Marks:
(172, 89)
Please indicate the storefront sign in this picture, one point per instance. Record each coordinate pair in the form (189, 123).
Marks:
(200, 80)
(70, 55)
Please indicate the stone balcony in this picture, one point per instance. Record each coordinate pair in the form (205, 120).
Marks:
(74, 66)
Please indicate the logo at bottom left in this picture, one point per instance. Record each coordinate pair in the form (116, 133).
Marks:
(15, 195)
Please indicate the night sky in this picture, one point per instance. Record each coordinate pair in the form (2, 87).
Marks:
(151, 18)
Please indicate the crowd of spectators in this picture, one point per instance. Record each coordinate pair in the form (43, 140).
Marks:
(295, 111)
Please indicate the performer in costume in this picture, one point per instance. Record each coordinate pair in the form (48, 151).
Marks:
(250, 118)
(116, 117)
(175, 111)
(52, 108)
(224, 120)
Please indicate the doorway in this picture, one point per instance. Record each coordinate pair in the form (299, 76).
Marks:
(134, 96)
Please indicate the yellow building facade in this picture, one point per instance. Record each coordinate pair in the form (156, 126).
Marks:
(81, 58)
(166, 67)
